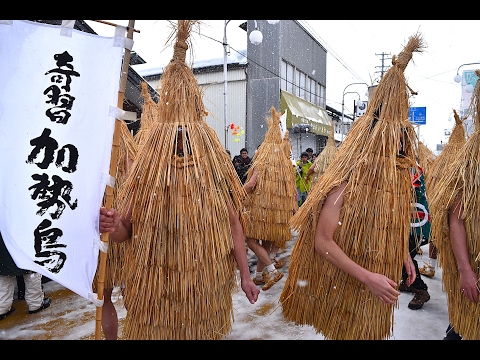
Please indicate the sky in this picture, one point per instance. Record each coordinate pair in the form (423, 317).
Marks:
(71, 317)
(354, 49)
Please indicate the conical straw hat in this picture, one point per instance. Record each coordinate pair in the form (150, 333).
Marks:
(180, 272)
(374, 221)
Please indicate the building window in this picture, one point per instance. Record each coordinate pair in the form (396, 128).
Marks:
(302, 77)
(322, 101)
(312, 88)
(299, 84)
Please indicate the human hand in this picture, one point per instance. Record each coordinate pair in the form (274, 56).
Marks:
(468, 285)
(383, 288)
(109, 220)
(410, 269)
(251, 290)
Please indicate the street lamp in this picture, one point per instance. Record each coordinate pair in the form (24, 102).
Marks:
(343, 104)
(359, 103)
(256, 38)
(458, 78)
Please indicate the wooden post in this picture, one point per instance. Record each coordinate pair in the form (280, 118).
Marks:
(113, 172)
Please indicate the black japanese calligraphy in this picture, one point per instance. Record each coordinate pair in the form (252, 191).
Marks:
(50, 145)
(62, 74)
(46, 243)
(52, 194)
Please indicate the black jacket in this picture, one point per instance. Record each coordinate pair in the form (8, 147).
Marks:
(241, 168)
(7, 265)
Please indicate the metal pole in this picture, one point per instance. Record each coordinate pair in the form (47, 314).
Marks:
(343, 103)
(225, 53)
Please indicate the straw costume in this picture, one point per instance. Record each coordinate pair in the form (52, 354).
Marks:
(114, 265)
(269, 207)
(452, 147)
(180, 273)
(460, 181)
(374, 222)
(436, 171)
(127, 150)
(426, 158)
(324, 159)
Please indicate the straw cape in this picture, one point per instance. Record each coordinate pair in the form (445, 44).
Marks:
(324, 159)
(426, 158)
(114, 265)
(460, 182)
(374, 220)
(180, 272)
(444, 159)
(271, 204)
(128, 147)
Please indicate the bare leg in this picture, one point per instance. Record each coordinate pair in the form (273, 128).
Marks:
(263, 256)
(260, 252)
(109, 317)
(272, 251)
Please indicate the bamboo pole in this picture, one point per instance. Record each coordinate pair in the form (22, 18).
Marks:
(113, 172)
(112, 24)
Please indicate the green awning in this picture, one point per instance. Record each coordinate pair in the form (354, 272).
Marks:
(301, 112)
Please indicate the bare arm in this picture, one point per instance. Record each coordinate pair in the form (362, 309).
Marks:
(250, 184)
(250, 289)
(328, 221)
(458, 238)
(310, 172)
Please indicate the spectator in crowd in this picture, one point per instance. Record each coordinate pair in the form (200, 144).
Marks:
(9, 271)
(311, 154)
(242, 163)
(303, 184)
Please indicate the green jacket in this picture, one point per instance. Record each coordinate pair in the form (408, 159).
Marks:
(301, 170)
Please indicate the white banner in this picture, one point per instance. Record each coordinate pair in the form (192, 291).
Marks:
(55, 145)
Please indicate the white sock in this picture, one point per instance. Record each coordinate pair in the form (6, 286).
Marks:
(270, 268)
(258, 275)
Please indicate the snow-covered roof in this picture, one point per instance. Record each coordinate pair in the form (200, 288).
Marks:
(148, 69)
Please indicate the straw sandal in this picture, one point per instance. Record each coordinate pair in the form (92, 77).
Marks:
(275, 276)
(427, 270)
(278, 263)
(263, 280)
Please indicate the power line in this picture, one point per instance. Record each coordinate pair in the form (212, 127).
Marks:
(330, 49)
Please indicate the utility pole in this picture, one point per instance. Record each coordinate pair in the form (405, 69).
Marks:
(383, 68)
